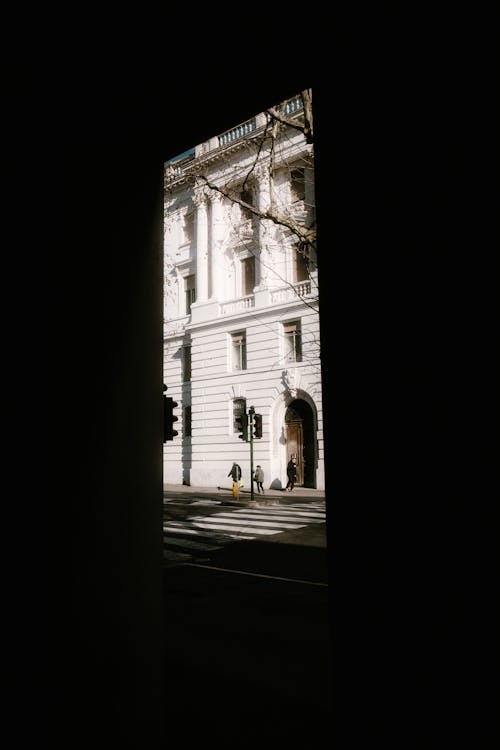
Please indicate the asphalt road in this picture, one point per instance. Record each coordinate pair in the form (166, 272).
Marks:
(247, 648)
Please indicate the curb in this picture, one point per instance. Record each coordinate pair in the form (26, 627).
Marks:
(225, 496)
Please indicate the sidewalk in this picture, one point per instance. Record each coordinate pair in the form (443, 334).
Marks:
(225, 494)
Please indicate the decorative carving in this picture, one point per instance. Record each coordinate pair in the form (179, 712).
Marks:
(176, 327)
(173, 330)
(289, 378)
(200, 197)
(215, 197)
(295, 384)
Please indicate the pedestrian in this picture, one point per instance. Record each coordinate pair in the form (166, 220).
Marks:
(291, 472)
(259, 478)
(236, 473)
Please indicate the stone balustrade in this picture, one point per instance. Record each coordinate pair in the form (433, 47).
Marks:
(237, 305)
(238, 132)
(291, 292)
(293, 105)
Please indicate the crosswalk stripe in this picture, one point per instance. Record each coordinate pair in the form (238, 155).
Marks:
(294, 517)
(306, 506)
(244, 529)
(206, 502)
(237, 524)
(284, 511)
(227, 519)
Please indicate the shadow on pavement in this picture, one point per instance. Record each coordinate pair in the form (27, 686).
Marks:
(248, 655)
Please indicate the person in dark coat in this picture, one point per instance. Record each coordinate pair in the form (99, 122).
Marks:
(291, 472)
(235, 472)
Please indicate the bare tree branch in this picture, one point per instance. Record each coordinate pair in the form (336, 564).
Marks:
(307, 127)
(306, 235)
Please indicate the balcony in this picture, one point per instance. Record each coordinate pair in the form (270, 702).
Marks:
(280, 296)
(238, 132)
(237, 305)
(290, 293)
(293, 105)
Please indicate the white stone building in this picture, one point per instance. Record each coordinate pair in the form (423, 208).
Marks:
(241, 321)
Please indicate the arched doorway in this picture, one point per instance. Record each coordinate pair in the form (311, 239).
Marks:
(300, 441)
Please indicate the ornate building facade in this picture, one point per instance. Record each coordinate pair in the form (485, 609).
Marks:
(241, 320)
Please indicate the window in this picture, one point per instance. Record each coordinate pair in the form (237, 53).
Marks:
(238, 351)
(188, 227)
(300, 265)
(190, 292)
(239, 408)
(247, 197)
(186, 363)
(297, 185)
(292, 342)
(187, 421)
(247, 275)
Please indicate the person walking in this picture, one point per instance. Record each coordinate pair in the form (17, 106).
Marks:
(235, 472)
(259, 478)
(291, 472)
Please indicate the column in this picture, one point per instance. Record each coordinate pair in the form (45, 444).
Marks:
(199, 199)
(264, 228)
(216, 250)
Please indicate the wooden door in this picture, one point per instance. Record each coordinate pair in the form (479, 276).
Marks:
(295, 447)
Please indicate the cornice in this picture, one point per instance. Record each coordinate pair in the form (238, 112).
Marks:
(199, 163)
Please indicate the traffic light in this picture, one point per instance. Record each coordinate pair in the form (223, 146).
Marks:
(169, 418)
(241, 422)
(257, 424)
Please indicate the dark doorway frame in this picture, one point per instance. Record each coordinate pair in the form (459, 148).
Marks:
(300, 431)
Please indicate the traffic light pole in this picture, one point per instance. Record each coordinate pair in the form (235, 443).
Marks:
(246, 423)
(251, 412)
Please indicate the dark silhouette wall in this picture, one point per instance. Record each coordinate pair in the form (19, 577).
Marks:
(105, 408)
(106, 445)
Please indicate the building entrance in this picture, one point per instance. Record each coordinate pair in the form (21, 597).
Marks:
(301, 442)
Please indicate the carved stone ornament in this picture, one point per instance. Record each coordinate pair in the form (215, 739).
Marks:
(216, 197)
(286, 379)
(291, 379)
(173, 329)
(200, 197)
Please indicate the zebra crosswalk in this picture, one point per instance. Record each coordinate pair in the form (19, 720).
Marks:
(202, 534)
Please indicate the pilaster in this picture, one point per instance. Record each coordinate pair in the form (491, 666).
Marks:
(263, 183)
(216, 252)
(200, 201)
